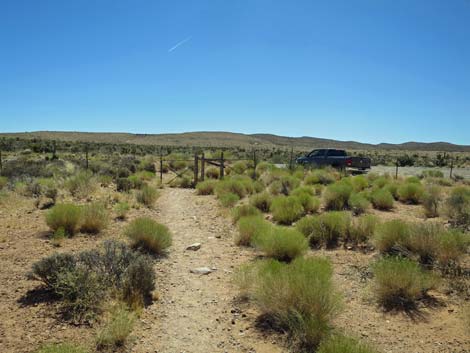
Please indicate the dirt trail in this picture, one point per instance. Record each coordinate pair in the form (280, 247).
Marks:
(197, 313)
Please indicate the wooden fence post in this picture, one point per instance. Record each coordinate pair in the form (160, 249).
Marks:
(161, 168)
(196, 168)
(222, 167)
(86, 157)
(396, 169)
(451, 167)
(1, 162)
(203, 162)
(291, 158)
(254, 164)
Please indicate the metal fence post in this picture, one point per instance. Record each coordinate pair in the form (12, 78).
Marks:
(196, 168)
(222, 167)
(203, 162)
(254, 164)
(451, 167)
(396, 169)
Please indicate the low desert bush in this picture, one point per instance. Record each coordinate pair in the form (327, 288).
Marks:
(147, 195)
(300, 297)
(288, 184)
(148, 235)
(121, 209)
(458, 206)
(358, 203)
(329, 228)
(431, 173)
(344, 344)
(392, 237)
(281, 243)
(243, 211)
(117, 329)
(336, 196)
(94, 218)
(382, 199)
(249, 228)
(262, 201)
(123, 184)
(362, 229)
(239, 167)
(431, 200)
(229, 199)
(309, 202)
(392, 188)
(62, 348)
(212, 173)
(81, 185)
(275, 188)
(64, 216)
(399, 283)
(286, 209)
(206, 187)
(320, 176)
(184, 182)
(359, 183)
(239, 185)
(411, 192)
(380, 182)
(452, 245)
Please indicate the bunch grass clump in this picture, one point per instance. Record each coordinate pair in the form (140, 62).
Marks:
(362, 229)
(147, 195)
(329, 228)
(310, 203)
(286, 209)
(392, 237)
(206, 187)
(431, 200)
(243, 211)
(62, 348)
(229, 199)
(300, 297)
(336, 196)
(358, 203)
(281, 243)
(66, 217)
(117, 329)
(250, 228)
(458, 206)
(411, 192)
(82, 184)
(94, 218)
(262, 201)
(121, 209)
(382, 199)
(344, 344)
(149, 235)
(399, 283)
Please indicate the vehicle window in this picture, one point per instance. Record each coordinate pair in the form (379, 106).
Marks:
(336, 153)
(317, 153)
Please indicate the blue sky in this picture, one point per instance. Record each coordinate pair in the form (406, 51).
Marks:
(366, 70)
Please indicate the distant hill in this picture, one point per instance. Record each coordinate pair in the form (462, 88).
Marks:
(228, 139)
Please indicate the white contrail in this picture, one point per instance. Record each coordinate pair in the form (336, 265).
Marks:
(179, 43)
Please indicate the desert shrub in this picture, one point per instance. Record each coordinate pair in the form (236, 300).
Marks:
(431, 200)
(65, 216)
(148, 235)
(423, 240)
(135, 182)
(392, 188)
(62, 348)
(229, 199)
(184, 181)
(145, 175)
(431, 173)
(458, 206)
(320, 176)
(262, 201)
(306, 225)
(380, 182)
(288, 183)
(49, 268)
(344, 344)
(147, 196)
(123, 184)
(452, 245)
(263, 167)
(121, 209)
(358, 203)
(117, 328)
(306, 198)
(413, 179)
(362, 229)
(411, 192)
(212, 173)
(239, 167)
(281, 243)
(94, 218)
(329, 228)
(336, 196)
(392, 236)
(258, 186)
(300, 297)
(81, 184)
(48, 188)
(286, 209)
(250, 227)
(399, 283)
(243, 211)
(275, 188)
(382, 199)
(206, 187)
(359, 183)
(239, 185)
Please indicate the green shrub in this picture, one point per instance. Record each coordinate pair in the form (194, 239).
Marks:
(239, 167)
(413, 179)
(382, 199)
(392, 236)
(358, 203)
(263, 167)
(458, 206)
(362, 229)
(81, 185)
(411, 192)
(206, 187)
(258, 186)
(343, 344)
(329, 228)
(65, 216)
(250, 227)
(306, 198)
(135, 182)
(423, 240)
(300, 297)
(432, 173)
(452, 245)
(392, 188)
(359, 183)
(336, 196)
(117, 329)
(239, 185)
(288, 183)
(286, 209)
(62, 348)
(229, 199)
(149, 235)
(261, 201)
(431, 200)
(121, 209)
(306, 225)
(184, 182)
(275, 188)
(380, 182)
(123, 184)
(147, 196)
(94, 218)
(399, 283)
(320, 176)
(243, 211)
(212, 173)
(281, 243)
